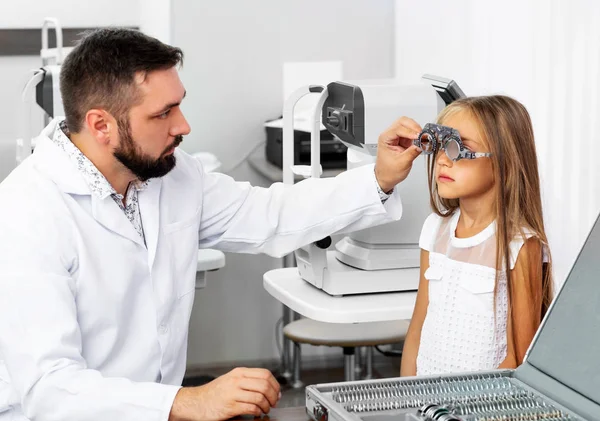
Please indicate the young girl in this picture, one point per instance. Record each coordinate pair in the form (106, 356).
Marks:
(485, 273)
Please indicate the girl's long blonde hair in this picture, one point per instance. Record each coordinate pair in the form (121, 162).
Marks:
(505, 127)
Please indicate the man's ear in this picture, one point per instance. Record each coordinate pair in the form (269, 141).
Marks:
(101, 125)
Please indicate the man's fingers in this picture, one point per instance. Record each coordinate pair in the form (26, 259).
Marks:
(254, 398)
(248, 409)
(264, 374)
(400, 136)
(411, 153)
(409, 123)
(261, 386)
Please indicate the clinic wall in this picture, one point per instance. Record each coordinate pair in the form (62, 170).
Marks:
(234, 52)
(544, 53)
(14, 70)
(155, 19)
(71, 13)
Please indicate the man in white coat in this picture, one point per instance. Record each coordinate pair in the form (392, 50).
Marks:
(99, 231)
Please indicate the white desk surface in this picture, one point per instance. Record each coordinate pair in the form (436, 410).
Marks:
(289, 288)
(209, 259)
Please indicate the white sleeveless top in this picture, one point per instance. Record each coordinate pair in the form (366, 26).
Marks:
(462, 330)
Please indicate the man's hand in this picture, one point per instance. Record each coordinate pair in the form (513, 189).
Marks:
(242, 391)
(396, 153)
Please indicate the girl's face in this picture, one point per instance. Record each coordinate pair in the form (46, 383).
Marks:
(466, 178)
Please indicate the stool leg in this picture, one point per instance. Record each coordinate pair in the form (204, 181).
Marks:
(358, 361)
(286, 355)
(288, 317)
(369, 358)
(296, 382)
(349, 373)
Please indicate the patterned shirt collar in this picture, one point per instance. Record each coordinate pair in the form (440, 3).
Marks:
(98, 184)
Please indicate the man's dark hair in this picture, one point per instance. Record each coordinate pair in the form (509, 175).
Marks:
(100, 71)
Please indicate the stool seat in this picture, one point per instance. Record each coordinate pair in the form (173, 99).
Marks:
(308, 331)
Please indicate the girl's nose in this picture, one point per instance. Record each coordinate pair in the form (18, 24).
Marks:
(442, 158)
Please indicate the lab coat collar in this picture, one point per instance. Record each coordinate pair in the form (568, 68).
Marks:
(106, 212)
(51, 160)
(149, 211)
(56, 164)
(109, 214)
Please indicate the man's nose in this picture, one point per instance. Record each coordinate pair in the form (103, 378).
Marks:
(181, 127)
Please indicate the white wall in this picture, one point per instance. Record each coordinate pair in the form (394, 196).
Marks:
(71, 13)
(544, 53)
(14, 69)
(234, 52)
(13, 117)
(155, 19)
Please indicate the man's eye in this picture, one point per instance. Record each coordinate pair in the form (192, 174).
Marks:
(163, 115)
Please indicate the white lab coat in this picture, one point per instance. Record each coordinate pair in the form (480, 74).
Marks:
(93, 324)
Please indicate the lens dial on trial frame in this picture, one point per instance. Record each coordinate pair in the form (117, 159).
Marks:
(435, 137)
(426, 142)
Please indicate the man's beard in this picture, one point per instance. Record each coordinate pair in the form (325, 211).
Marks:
(140, 164)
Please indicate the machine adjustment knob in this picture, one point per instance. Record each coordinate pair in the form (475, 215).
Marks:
(320, 412)
(335, 118)
(324, 243)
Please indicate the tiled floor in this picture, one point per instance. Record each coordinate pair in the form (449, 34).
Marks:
(384, 367)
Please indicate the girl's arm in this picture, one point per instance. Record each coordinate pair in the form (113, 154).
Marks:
(525, 302)
(413, 336)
